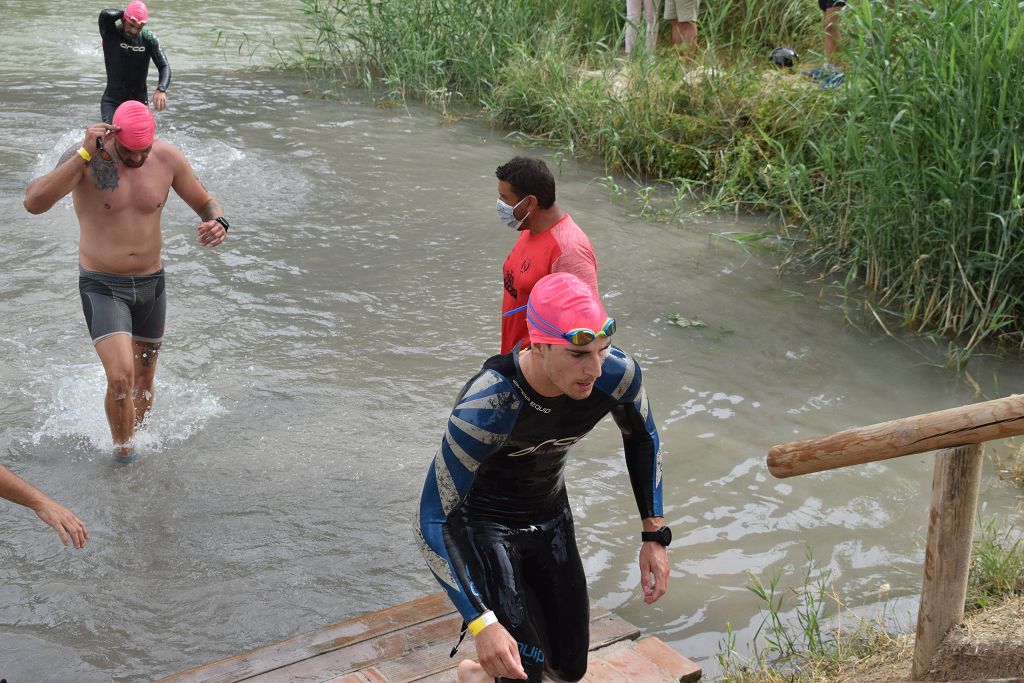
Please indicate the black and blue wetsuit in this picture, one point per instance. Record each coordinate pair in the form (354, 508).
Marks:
(127, 62)
(494, 521)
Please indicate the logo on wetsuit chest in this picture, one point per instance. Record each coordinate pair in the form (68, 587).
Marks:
(133, 48)
(557, 443)
(533, 404)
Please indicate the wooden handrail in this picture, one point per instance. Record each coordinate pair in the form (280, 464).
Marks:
(970, 424)
(955, 485)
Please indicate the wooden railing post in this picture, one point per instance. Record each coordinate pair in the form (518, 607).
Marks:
(947, 558)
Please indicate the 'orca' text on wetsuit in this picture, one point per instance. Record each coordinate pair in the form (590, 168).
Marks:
(494, 522)
(127, 62)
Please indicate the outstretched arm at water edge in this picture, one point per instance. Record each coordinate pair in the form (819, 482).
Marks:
(654, 567)
(63, 521)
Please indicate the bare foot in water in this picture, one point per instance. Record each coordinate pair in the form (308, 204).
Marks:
(125, 453)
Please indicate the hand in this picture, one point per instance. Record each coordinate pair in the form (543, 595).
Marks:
(159, 100)
(63, 521)
(499, 653)
(211, 233)
(98, 130)
(653, 570)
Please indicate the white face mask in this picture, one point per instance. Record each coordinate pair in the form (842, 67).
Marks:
(507, 215)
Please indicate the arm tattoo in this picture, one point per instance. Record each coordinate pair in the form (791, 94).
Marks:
(70, 152)
(211, 210)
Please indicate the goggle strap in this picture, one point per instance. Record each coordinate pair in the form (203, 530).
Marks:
(531, 314)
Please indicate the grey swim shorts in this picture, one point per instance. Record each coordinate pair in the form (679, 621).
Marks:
(129, 304)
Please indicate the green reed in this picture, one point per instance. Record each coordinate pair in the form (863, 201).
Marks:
(919, 189)
(997, 563)
(808, 634)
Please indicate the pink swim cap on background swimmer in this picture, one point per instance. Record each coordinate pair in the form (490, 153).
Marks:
(561, 302)
(136, 123)
(137, 12)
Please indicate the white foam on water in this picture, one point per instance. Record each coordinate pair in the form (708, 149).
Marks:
(73, 402)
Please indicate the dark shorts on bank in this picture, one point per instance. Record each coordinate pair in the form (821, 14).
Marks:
(129, 304)
(829, 4)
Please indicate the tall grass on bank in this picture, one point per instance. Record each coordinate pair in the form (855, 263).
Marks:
(554, 71)
(810, 641)
(920, 193)
(997, 564)
(807, 634)
(905, 180)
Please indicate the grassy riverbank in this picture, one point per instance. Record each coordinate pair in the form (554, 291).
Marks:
(809, 635)
(904, 181)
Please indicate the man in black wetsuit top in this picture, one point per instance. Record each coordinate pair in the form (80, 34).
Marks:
(494, 521)
(127, 48)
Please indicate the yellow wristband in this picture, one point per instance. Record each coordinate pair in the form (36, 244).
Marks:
(482, 622)
(84, 154)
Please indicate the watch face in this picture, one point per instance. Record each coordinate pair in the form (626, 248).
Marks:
(666, 535)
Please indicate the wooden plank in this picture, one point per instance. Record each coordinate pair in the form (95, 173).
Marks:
(607, 628)
(404, 644)
(947, 557)
(314, 643)
(971, 424)
(668, 659)
(626, 659)
(600, 671)
(421, 650)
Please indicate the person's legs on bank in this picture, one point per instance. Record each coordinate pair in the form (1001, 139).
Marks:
(683, 15)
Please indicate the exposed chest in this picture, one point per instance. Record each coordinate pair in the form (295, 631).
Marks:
(114, 188)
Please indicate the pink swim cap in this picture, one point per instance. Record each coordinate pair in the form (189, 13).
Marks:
(137, 125)
(137, 12)
(561, 302)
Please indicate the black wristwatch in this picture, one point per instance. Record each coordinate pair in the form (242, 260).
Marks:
(223, 221)
(662, 536)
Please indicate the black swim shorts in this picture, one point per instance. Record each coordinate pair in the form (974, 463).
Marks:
(829, 4)
(129, 304)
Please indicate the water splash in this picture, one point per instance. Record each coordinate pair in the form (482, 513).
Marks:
(74, 406)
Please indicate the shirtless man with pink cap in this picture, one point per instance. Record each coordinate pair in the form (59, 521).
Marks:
(119, 180)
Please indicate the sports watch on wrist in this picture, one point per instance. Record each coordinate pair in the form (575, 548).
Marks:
(223, 221)
(662, 536)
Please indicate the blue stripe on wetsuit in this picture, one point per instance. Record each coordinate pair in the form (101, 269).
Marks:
(482, 419)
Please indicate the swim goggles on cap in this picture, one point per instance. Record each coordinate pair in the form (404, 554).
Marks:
(578, 336)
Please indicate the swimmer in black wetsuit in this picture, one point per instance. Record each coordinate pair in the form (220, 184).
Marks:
(494, 521)
(127, 48)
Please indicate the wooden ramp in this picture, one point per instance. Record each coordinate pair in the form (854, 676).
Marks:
(411, 642)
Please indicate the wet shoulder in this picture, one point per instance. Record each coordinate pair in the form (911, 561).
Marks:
(620, 375)
(488, 401)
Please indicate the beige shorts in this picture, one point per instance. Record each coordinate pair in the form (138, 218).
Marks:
(681, 10)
